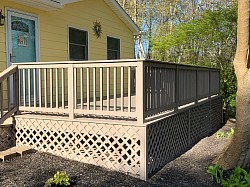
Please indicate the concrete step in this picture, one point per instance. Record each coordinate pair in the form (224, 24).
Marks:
(15, 152)
(22, 150)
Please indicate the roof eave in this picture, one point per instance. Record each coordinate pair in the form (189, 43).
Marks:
(40, 4)
(64, 2)
(115, 6)
(48, 5)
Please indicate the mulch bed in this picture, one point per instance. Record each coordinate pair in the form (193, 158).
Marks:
(189, 170)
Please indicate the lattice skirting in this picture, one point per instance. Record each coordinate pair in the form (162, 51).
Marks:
(116, 146)
(216, 114)
(139, 151)
(172, 136)
(7, 137)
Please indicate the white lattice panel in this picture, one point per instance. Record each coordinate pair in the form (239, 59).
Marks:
(112, 146)
(7, 137)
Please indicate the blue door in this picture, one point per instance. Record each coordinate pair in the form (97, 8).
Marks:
(23, 47)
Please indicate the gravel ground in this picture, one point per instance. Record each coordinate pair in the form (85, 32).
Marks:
(189, 170)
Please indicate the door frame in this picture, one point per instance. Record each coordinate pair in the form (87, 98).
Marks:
(9, 12)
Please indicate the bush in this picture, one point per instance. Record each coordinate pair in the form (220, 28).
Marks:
(60, 179)
(236, 178)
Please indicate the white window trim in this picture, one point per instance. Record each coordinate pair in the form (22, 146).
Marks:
(82, 29)
(120, 47)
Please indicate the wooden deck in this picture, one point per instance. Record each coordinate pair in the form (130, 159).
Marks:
(133, 116)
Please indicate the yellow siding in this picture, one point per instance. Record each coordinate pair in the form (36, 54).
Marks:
(53, 30)
(2, 46)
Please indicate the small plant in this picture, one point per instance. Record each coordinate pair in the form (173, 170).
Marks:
(238, 177)
(216, 172)
(231, 133)
(221, 134)
(60, 178)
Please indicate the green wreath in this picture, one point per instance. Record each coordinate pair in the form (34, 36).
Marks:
(97, 28)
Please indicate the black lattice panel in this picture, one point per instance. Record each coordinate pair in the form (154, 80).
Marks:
(112, 146)
(7, 137)
(199, 122)
(167, 139)
(172, 136)
(216, 114)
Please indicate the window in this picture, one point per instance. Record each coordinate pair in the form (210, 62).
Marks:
(78, 44)
(113, 48)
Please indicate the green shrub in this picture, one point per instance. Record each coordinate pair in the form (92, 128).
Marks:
(60, 178)
(237, 178)
(216, 172)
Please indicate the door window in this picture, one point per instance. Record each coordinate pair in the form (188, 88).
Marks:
(23, 38)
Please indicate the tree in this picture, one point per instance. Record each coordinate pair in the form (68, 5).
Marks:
(159, 17)
(209, 40)
(237, 152)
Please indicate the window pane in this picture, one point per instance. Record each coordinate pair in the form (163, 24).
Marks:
(113, 43)
(78, 44)
(77, 36)
(113, 48)
(77, 52)
(112, 55)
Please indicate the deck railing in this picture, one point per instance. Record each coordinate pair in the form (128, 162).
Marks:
(129, 89)
(78, 88)
(171, 86)
(8, 93)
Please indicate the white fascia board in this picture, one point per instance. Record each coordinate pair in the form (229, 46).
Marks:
(64, 2)
(46, 5)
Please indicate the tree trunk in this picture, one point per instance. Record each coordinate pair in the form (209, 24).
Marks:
(238, 151)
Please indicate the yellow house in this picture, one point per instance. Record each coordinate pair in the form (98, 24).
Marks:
(62, 30)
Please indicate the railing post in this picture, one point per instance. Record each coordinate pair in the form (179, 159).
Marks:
(71, 91)
(17, 92)
(140, 91)
(143, 153)
(209, 83)
(210, 116)
(189, 127)
(196, 86)
(210, 93)
(219, 82)
(176, 87)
